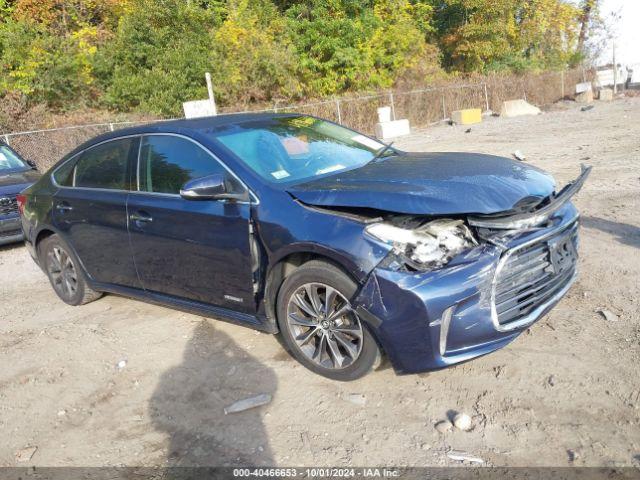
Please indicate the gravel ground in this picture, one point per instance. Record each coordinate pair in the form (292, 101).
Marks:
(567, 392)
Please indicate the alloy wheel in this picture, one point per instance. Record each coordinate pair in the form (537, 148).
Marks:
(62, 272)
(324, 326)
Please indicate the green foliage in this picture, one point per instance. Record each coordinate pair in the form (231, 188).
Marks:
(328, 36)
(482, 35)
(151, 55)
(5, 10)
(52, 69)
(156, 58)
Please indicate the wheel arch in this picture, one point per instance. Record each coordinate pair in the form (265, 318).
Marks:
(42, 234)
(284, 264)
(47, 231)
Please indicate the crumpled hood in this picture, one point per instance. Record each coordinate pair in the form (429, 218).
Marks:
(15, 182)
(431, 184)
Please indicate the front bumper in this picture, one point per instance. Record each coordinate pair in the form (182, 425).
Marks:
(432, 320)
(10, 230)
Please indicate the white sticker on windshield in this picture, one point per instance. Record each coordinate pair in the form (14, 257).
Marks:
(333, 168)
(367, 142)
(280, 174)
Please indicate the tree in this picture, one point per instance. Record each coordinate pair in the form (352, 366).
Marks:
(151, 55)
(481, 35)
(588, 7)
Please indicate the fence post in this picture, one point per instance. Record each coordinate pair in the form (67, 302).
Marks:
(6, 140)
(486, 97)
(393, 106)
(444, 109)
(111, 127)
(275, 107)
(562, 80)
(338, 110)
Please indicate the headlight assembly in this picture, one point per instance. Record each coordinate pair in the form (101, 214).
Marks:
(428, 246)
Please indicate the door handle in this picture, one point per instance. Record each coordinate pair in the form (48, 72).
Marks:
(141, 217)
(64, 207)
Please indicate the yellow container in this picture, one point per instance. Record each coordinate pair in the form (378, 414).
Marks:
(467, 117)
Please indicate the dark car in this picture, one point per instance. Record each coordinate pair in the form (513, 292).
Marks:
(290, 224)
(16, 174)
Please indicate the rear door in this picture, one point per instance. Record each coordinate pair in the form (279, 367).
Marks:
(90, 209)
(193, 249)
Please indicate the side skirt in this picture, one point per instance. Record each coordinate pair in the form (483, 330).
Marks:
(256, 322)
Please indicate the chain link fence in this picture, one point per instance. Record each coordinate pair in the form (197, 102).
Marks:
(422, 107)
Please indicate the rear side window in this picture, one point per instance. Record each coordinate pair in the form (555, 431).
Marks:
(64, 174)
(105, 166)
(168, 162)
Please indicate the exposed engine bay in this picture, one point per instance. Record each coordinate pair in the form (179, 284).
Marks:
(422, 243)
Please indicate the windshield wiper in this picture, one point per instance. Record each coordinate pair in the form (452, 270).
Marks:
(381, 152)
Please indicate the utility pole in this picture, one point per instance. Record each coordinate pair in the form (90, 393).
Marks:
(212, 99)
(615, 70)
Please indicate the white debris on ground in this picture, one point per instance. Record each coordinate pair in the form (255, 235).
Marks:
(443, 426)
(609, 315)
(357, 399)
(248, 403)
(462, 421)
(519, 155)
(25, 454)
(464, 457)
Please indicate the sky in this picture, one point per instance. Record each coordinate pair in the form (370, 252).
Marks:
(627, 31)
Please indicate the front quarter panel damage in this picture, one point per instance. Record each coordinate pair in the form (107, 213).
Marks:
(409, 308)
(406, 309)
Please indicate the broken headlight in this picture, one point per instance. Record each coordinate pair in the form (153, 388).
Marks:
(428, 246)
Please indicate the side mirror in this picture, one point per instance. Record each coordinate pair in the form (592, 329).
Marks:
(213, 187)
(32, 164)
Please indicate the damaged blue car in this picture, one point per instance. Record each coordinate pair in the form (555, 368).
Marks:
(347, 248)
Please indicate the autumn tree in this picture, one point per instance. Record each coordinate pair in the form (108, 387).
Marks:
(151, 55)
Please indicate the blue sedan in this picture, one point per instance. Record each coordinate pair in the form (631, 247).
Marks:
(16, 174)
(347, 248)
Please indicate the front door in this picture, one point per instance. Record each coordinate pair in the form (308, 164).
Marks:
(90, 210)
(193, 249)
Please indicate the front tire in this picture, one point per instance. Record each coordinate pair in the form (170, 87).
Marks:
(318, 325)
(65, 273)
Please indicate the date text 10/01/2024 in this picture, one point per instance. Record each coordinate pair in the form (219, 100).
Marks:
(317, 472)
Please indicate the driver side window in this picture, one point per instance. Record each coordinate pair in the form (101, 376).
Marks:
(168, 162)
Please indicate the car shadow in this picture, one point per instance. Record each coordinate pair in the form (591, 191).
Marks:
(11, 246)
(624, 233)
(188, 404)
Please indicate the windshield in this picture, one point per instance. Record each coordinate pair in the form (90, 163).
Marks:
(297, 149)
(9, 160)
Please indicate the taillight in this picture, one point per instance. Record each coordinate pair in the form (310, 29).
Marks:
(22, 200)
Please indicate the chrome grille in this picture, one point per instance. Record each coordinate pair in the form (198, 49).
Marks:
(530, 276)
(8, 206)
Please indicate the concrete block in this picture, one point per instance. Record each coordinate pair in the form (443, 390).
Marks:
(199, 109)
(585, 97)
(583, 87)
(467, 117)
(396, 128)
(605, 95)
(518, 108)
(384, 114)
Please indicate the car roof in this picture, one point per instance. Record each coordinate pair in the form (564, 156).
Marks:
(183, 126)
(186, 125)
(180, 126)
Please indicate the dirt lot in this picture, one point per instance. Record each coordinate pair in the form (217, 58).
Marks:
(567, 392)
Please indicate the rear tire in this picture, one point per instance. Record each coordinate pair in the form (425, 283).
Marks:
(318, 326)
(65, 272)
